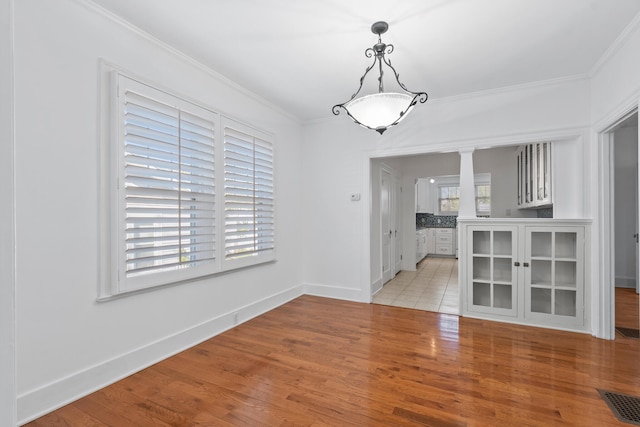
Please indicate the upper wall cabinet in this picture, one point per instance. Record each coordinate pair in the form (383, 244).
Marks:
(533, 163)
(424, 201)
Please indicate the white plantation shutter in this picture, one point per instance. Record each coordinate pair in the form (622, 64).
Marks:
(248, 194)
(167, 214)
(167, 185)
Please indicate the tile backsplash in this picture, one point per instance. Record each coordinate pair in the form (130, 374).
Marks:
(427, 220)
(435, 221)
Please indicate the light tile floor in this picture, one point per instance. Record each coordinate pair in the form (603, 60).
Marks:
(433, 287)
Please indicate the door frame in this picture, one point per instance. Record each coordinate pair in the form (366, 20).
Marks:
(393, 215)
(605, 301)
(385, 172)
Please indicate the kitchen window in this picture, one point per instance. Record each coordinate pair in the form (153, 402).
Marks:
(449, 199)
(449, 195)
(483, 199)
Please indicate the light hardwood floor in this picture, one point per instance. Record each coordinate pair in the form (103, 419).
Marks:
(323, 362)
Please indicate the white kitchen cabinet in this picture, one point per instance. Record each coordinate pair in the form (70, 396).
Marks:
(431, 241)
(533, 164)
(530, 272)
(445, 241)
(421, 244)
(555, 272)
(493, 286)
(424, 202)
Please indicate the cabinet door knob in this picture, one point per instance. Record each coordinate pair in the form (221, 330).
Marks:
(517, 264)
(526, 264)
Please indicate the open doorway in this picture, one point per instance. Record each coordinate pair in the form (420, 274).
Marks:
(428, 278)
(625, 222)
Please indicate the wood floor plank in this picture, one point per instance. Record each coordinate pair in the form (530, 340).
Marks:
(323, 362)
(627, 313)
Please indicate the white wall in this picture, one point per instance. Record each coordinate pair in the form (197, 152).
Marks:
(337, 154)
(332, 237)
(376, 227)
(498, 161)
(69, 344)
(615, 90)
(7, 278)
(615, 84)
(626, 190)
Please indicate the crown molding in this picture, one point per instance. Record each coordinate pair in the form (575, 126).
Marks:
(617, 44)
(489, 92)
(513, 88)
(488, 141)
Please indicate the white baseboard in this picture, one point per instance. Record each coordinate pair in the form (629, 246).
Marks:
(336, 292)
(49, 397)
(625, 282)
(376, 286)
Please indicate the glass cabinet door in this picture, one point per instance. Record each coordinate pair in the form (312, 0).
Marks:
(493, 270)
(533, 168)
(554, 277)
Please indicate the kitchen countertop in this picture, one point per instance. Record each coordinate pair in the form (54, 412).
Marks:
(435, 226)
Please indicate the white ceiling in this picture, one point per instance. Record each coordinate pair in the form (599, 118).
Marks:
(307, 55)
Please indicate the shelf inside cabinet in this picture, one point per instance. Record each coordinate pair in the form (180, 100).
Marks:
(502, 243)
(482, 242)
(565, 304)
(502, 296)
(540, 271)
(565, 273)
(566, 245)
(541, 300)
(481, 268)
(482, 294)
(541, 244)
(502, 269)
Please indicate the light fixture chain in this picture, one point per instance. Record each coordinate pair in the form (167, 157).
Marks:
(380, 83)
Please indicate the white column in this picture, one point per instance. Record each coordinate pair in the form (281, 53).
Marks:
(467, 208)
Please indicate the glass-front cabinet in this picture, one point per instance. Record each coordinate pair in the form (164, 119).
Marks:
(493, 271)
(525, 271)
(533, 164)
(555, 274)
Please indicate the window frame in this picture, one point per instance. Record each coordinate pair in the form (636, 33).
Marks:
(113, 281)
(477, 198)
(480, 179)
(450, 199)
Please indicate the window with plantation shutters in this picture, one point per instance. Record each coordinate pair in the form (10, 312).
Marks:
(248, 194)
(186, 193)
(166, 187)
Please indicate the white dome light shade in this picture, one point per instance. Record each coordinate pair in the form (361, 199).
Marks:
(380, 110)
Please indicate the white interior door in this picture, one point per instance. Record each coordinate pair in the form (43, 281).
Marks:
(386, 224)
(397, 232)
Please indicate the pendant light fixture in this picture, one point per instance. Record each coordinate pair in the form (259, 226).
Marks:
(381, 110)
